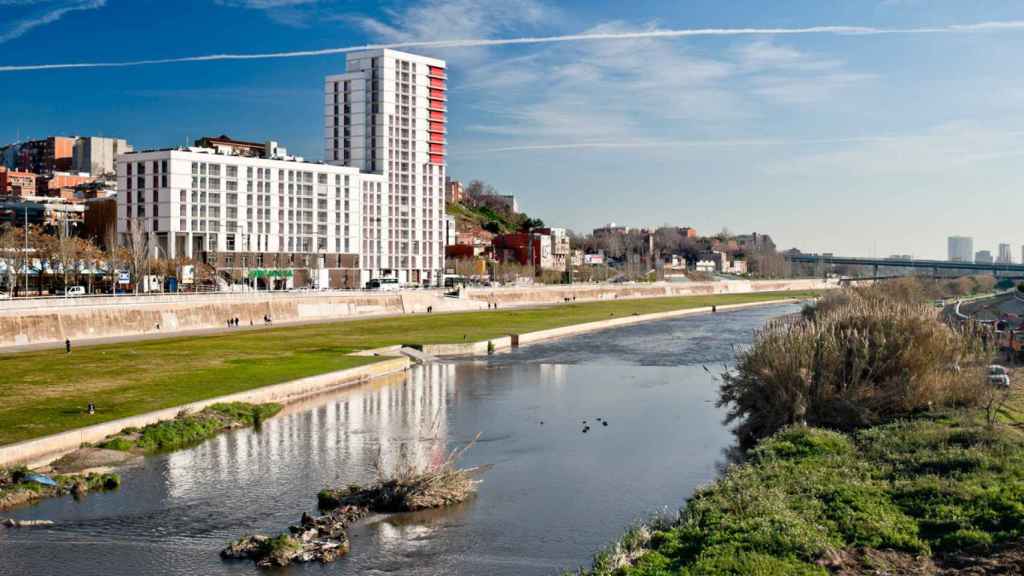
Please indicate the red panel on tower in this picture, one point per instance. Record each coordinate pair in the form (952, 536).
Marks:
(437, 148)
(437, 83)
(436, 116)
(436, 159)
(439, 94)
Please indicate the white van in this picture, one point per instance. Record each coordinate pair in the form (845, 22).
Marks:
(386, 284)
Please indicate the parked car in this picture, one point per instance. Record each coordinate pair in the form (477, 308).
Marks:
(997, 370)
(1001, 380)
(76, 291)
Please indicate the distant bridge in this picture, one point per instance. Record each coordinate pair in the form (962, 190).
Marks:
(997, 269)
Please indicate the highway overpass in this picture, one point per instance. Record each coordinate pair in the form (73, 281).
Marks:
(997, 269)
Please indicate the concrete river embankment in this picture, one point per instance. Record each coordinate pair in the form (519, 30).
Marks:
(47, 321)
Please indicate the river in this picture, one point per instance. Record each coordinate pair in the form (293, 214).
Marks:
(554, 495)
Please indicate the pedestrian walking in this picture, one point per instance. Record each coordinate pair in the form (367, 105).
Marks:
(67, 346)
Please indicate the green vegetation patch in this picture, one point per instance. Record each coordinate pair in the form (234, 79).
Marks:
(929, 486)
(17, 487)
(190, 429)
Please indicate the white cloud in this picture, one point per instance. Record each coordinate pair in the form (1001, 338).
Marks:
(19, 28)
(295, 13)
(458, 20)
(264, 4)
(943, 149)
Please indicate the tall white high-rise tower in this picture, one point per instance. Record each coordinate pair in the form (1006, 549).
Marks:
(387, 114)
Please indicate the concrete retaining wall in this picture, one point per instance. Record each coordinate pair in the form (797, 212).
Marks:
(28, 322)
(469, 348)
(534, 295)
(527, 338)
(47, 448)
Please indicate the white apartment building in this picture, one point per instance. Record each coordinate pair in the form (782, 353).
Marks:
(249, 215)
(387, 115)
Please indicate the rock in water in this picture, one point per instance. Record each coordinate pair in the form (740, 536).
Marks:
(315, 539)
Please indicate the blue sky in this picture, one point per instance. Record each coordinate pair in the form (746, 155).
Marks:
(851, 143)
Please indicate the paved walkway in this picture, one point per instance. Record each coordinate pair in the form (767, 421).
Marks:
(158, 335)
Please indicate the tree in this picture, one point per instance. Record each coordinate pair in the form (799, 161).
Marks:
(138, 250)
(668, 240)
(20, 253)
(64, 248)
(90, 255)
(476, 191)
(9, 252)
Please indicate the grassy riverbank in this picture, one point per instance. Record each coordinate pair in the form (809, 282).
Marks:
(877, 446)
(47, 391)
(930, 496)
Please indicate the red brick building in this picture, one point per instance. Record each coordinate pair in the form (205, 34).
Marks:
(453, 191)
(20, 184)
(53, 154)
(59, 184)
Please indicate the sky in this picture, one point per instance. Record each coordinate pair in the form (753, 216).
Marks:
(863, 128)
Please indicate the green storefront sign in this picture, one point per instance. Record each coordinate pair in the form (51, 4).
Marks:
(270, 273)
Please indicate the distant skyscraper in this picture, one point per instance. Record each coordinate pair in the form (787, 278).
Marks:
(982, 257)
(1004, 254)
(961, 249)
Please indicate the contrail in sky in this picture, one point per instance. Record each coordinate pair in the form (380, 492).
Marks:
(585, 37)
(737, 143)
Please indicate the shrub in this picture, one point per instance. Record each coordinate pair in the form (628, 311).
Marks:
(188, 429)
(858, 359)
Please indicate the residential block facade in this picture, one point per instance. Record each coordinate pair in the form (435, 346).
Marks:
(246, 214)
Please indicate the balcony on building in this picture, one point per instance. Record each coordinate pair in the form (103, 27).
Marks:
(435, 72)
(436, 105)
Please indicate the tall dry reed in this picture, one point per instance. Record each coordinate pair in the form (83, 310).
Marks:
(858, 358)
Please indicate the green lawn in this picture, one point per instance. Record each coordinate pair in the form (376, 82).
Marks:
(46, 392)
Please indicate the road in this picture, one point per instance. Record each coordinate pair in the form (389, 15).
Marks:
(991, 309)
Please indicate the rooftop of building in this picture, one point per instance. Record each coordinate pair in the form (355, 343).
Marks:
(225, 139)
(214, 152)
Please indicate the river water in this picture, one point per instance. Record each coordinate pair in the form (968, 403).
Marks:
(553, 497)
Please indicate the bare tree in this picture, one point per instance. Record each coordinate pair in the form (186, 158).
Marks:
(9, 253)
(65, 249)
(138, 250)
(114, 252)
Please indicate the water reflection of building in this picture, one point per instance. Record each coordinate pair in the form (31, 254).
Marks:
(554, 374)
(333, 439)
